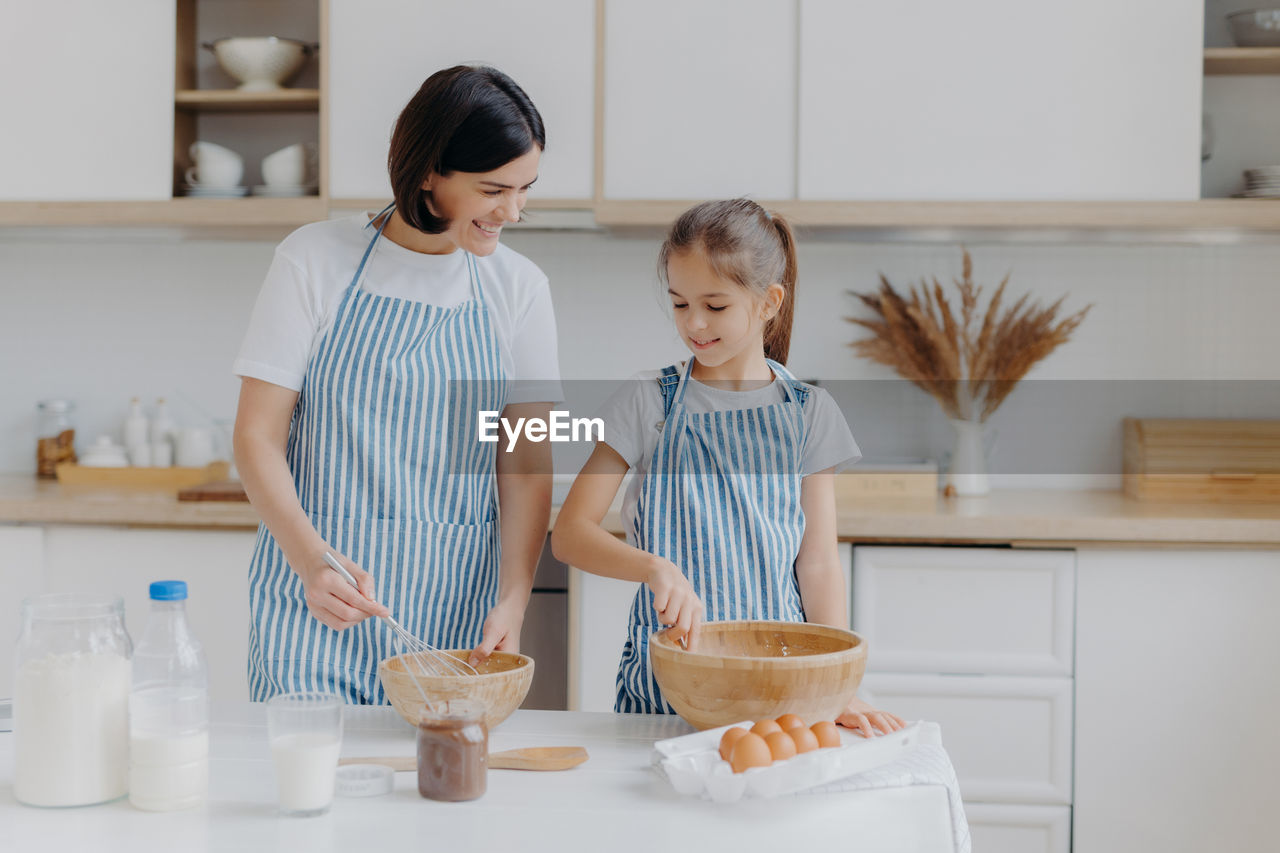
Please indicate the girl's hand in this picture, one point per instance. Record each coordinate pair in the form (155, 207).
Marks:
(861, 717)
(676, 602)
(501, 632)
(331, 599)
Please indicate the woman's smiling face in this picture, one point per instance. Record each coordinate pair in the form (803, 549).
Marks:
(721, 322)
(478, 204)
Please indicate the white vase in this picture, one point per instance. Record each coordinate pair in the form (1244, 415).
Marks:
(968, 471)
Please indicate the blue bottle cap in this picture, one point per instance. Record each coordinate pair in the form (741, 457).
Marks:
(169, 591)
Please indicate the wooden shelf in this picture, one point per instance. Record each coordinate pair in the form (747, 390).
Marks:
(1242, 60)
(1207, 214)
(183, 212)
(234, 100)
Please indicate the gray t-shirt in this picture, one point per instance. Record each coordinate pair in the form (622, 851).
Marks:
(633, 421)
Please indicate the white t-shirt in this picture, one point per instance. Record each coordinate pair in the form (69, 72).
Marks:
(633, 421)
(313, 266)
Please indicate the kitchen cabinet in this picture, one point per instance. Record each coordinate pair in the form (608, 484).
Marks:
(699, 101)
(1176, 742)
(980, 640)
(88, 106)
(598, 612)
(1019, 829)
(382, 50)
(1000, 99)
(21, 572)
(123, 561)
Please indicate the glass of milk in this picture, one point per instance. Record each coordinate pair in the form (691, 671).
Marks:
(305, 730)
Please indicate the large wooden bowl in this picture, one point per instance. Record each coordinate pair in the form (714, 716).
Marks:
(501, 685)
(757, 670)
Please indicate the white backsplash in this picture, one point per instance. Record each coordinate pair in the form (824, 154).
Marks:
(100, 317)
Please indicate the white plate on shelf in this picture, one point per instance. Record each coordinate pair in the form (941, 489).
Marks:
(215, 192)
(278, 191)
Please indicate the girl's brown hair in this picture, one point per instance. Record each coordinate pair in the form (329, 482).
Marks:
(748, 245)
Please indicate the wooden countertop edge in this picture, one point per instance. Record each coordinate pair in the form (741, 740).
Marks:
(1028, 518)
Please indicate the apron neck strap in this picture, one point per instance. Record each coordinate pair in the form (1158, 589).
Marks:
(385, 216)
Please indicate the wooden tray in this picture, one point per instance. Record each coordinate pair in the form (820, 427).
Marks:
(870, 482)
(218, 490)
(1229, 461)
(141, 478)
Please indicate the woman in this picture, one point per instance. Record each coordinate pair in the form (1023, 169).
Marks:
(374, 344)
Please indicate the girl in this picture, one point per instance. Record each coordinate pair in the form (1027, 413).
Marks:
(374, 343)
(731, 514)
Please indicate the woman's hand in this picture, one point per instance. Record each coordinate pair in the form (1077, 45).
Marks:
(331, 599)
(676, 602)
(861, 717)
(501, 632)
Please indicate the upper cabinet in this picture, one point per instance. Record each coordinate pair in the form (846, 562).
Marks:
(699, 99)
(382, 50)
(1000, 99)
(88, 103)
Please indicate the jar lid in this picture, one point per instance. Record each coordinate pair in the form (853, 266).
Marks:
(56, 405)
(169, 591)
(364, 780)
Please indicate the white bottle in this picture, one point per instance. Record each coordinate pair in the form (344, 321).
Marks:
(168, 709)
(137, 435)
(162, 435)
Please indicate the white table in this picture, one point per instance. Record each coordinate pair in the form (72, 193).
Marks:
(614, 802)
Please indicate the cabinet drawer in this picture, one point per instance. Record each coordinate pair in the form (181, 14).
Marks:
(1019, 829)
(1009, 738)
(965, 610)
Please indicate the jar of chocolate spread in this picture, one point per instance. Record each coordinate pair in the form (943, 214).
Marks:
(453, 751)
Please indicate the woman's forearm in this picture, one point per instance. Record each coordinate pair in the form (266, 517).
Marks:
(524, 502)
(270, 487)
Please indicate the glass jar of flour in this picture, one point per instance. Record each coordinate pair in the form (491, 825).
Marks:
(71, 701)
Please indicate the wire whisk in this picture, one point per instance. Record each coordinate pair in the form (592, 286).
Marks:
(429, 659)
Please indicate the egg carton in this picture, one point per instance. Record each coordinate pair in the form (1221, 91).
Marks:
(693, 766)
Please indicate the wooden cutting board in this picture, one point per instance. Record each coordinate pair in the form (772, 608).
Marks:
(218, 490)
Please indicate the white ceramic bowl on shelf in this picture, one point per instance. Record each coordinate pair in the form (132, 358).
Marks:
(1255, 27)
(260, 63)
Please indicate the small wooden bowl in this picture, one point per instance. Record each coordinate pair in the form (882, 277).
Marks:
(747, 670)
(501, 685)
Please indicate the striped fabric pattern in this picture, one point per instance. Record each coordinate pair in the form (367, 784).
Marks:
(387, 467)
(721, 501)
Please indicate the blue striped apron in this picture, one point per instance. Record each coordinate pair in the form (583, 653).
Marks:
(721, 500)
(388, 468)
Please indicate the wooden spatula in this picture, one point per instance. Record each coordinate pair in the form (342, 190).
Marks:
(529, 758)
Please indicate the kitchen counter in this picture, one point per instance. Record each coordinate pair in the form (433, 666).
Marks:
(1022, 516)
(615, 802)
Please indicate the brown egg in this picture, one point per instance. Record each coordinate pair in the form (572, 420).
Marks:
(766, 727)
(781, 746)
(750, 751)
(827, 733)
(805, 739)
(789, 722)
(728, 739)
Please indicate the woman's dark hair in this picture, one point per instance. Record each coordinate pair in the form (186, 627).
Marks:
(468, 118)
(746, 244)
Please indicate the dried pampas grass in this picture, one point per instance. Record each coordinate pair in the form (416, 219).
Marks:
(968, 370)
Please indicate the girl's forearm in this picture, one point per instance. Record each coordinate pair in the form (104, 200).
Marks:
(822, 593)
(584, 544)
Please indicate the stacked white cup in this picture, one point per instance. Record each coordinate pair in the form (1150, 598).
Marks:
(216, 167)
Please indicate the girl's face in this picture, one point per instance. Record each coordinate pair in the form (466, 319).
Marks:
(478, 204)
(721, 322)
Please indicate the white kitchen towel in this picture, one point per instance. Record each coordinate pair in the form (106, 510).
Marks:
(926, 763)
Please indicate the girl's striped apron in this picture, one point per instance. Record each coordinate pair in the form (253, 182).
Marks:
(721, 500)
(388, 468)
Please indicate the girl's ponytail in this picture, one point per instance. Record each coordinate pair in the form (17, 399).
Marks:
(777, 332)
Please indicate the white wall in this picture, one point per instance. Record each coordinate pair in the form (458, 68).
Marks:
(102, 315)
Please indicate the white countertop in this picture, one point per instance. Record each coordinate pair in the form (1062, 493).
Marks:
(613, 802)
